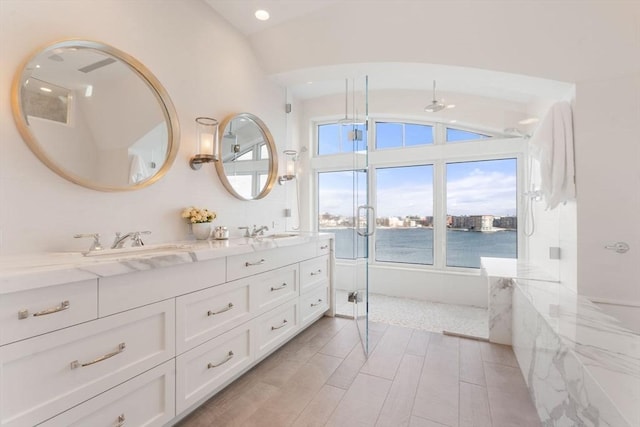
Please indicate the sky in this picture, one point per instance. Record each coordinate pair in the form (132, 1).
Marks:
(473, 188)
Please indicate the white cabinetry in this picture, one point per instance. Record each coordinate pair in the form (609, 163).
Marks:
(147, 347)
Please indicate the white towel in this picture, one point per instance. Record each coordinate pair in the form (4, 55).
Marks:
(137, 171)
(552, 144)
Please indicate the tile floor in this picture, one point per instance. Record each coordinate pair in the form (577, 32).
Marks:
(412, 378)
(426, 315)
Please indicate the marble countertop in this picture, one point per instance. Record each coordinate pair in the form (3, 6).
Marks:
(22, 272)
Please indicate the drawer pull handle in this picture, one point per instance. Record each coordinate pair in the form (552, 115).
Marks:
(324, 247)
(316, 304)
(316, 273)
(284, 322)
(222, 310)
(75, 364)
(284, 285)
(23, 314)
(249, 264)
(215, 365)
(121, 420)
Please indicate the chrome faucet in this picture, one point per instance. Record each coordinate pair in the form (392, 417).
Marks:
(260, 231)
(135, 236)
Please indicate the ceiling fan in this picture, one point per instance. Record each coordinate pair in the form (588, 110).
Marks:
(436, 105)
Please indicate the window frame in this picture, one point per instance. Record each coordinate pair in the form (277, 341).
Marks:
(438, 154)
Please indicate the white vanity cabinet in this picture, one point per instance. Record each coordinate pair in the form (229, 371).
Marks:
(147, 347)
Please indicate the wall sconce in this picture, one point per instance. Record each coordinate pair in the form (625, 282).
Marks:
(207, 142)
(290, 165)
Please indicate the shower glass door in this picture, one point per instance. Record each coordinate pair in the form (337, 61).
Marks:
(364, 218)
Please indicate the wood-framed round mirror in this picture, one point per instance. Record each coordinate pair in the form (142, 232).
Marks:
(95, 115)
(248, 162)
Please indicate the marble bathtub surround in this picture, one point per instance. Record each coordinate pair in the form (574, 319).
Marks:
(500, 275)
(581, 366)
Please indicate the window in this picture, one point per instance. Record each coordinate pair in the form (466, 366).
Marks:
(455, 135)
(339, 193)
(437, 206)
(481, 211)
(404, 214)
(398, 135)
(336, 138)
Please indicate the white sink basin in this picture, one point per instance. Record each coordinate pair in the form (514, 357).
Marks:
(280, 235)
(138, 250)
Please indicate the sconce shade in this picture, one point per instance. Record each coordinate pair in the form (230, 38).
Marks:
(290, 166)
(206, 142)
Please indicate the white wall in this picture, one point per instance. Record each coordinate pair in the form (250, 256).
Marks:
(206, 67)
(593, 44)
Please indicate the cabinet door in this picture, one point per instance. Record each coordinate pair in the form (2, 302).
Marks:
(276, 326)
(239, 266)
(269, 290)
(206, 368)
(44, 376)
(36, 311)
(313, 272)
(313, 304)
(206, 314)
(144, 401)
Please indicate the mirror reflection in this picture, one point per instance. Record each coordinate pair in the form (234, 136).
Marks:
(96, 116)
(248, 163)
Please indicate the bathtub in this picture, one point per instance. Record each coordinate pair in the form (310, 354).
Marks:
(628, 315)
(581, 365)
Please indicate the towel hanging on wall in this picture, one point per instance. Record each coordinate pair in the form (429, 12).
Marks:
(552, 145)
(137, 171)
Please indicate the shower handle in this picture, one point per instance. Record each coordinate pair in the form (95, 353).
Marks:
(370, 231)
(619, 247)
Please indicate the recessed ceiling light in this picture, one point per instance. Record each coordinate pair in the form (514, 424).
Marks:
(309, 83)
(529, 121)
(452, 121)
(450, 106)
(45, 89)
(262, 15)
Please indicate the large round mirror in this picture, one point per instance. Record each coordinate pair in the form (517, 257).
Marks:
(95, 115)
(248, 162)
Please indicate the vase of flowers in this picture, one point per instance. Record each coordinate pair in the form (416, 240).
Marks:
(200, 220)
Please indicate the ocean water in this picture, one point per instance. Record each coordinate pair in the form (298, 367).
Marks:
(415, 245)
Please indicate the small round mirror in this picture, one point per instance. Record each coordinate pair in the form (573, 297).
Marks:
(95, 115)
(248, 162)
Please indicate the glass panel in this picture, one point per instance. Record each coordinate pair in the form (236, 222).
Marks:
(454, 135)
(481, 211)
(341, 138)
(398, 135)
(418, 134)
(388, 135)
(336, 210)
(264, 151)
(404, 214)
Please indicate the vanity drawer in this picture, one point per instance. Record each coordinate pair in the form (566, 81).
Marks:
(314, 303)
(127, 291)
(239, 266)
(43, 376)
(205, 314)
(324, 247)
(36, 311)
(269, 290)
(146, 400)
(276, 326)
(202, 370)
(313, 272)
